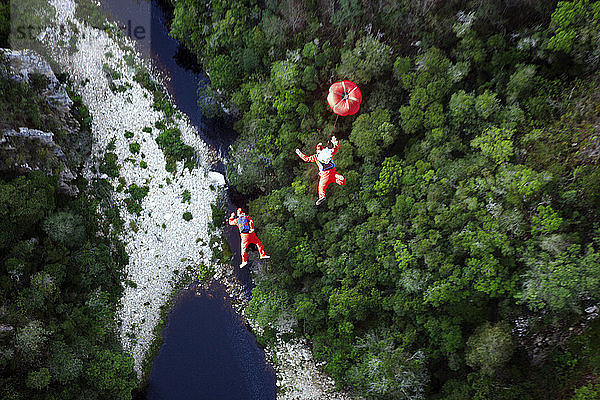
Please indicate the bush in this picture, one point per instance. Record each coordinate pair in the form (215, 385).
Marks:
(169, 140)
(187, 216)
(186, 196)
(205, 273)
(134, 148)
(136, 195)
(109, 166)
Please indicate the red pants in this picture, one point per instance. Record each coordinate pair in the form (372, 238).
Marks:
(327, 177)
(248, 238)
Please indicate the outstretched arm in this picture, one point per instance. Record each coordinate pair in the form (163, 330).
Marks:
(232, 219)
(335, 144)
(306, 158)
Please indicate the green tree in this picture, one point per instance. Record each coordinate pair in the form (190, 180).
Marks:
(576, 30)
(266, 304)
(111, 374)
(373, 133)
(4, 23)
(65, 228)
(387, 372)
(284, 75)
(65, 366)
(495, 143)
(369, 59)
(30, 339)
(223, 72)
(545, 221)
(521, 84)
(389, 177)
(38, 380)
(560, 282)
(23, 203)
(490, 347)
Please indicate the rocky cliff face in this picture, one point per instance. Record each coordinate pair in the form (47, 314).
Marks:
(26, 63)
(61, 152)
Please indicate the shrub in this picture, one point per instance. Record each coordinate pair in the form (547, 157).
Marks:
(187, 216)
(169, 140)
(134, 148)
(205, 272)
(109, 166)
(136, 195)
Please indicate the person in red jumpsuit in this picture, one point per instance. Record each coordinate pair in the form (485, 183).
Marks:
(246, 227)
(327, 172)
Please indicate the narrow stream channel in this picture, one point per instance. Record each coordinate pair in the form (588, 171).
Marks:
(207, 352)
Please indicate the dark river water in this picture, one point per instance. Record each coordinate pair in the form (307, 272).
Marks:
(207, 351)
(208, 354)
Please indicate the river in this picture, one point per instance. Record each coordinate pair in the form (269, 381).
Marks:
(207, 351)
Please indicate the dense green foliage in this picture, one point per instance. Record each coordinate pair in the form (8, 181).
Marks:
(60, 284)
(61, 266)
(4, 22)
(473, 184)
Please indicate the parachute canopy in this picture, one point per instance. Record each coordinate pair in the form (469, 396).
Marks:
(344, 98)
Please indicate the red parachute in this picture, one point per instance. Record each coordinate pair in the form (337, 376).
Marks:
(344, 98)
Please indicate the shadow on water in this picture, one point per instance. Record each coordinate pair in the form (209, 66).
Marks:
(207, 351)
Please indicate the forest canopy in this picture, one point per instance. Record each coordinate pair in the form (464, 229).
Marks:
(461, 260)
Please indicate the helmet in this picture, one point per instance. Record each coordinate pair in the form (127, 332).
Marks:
(319, 146)
(239, 212)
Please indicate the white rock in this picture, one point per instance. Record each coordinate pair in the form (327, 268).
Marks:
(216, 178)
